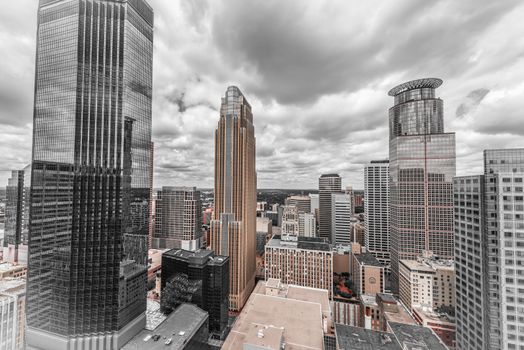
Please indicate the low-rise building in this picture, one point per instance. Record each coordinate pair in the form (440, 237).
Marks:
(12, 270)
(441, 323)
(400, 337)
(427, 283)
(278, 315)
(184, 329)
(368, 274)
(12, 313)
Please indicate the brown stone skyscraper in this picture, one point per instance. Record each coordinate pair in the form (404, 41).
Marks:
(233, 228)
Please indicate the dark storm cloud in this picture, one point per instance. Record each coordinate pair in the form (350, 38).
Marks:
(301, 55)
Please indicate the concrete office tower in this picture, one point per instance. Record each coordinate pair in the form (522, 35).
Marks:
(179, 223)
(422, 166)
(12, 313)
(303, 261)
(18, 200)
(376, 209)
(504, 232)
(341, 213)
(90, 173)
(470, 270)
(327, 184)
(303, 203)
(290, 221)
(349, 191)
(233, 230)
(489, 226)
(307, 225)
(314, 202)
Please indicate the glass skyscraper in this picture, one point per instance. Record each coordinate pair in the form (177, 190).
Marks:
(90, 173)
(422, 166)
(233, 228)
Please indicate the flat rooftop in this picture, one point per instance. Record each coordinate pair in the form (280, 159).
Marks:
(356, 338)
(387, 298)
(432, 316)
(200, 256)
(413, 337)
(368, 259)
(180, 326)
(306, 243)
(415, 265)
(299, 320)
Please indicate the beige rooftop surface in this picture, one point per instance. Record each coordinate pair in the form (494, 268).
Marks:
(299, 320)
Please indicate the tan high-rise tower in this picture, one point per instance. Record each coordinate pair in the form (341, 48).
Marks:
(233, 228)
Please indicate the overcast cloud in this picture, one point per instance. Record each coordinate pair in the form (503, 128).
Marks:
(316, 73)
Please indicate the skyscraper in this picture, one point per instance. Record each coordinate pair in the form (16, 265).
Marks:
(422, 166)
(179, 219)
(489, 232)
(341, 213)
(90, 173)
(233, 230)
(376, 203)
(327, 184)
(18, 193)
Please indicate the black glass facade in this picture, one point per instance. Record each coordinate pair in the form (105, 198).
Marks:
(90, 174)
(212, 274)
(422, 167)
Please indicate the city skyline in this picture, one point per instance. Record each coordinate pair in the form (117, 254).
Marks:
(294, 83)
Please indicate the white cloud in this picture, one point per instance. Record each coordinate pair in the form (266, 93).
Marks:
(316, 74)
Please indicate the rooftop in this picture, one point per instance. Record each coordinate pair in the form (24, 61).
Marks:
(429, 264)
(413, 337)
(295, 316)
(330, 175)
(432, 83)
(12, 286)
(307, 243)
(180, 326)
(415, 265)
(368, 259)
(356, 338)
(200, 256)
(429, 315)
(387, 298)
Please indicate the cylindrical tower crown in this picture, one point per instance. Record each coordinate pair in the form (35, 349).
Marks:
(416, 111)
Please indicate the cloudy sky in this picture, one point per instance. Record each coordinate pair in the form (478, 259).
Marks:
(316, 73)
